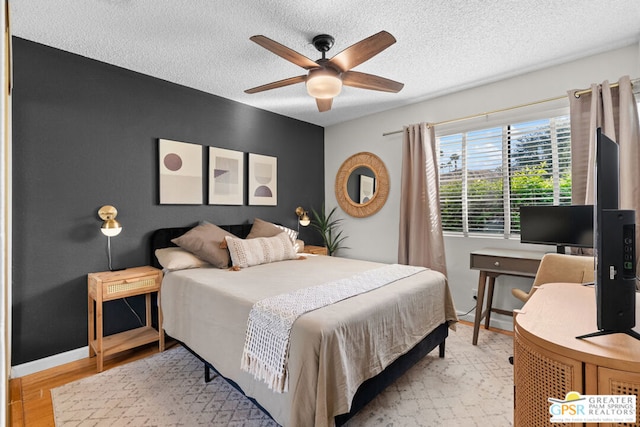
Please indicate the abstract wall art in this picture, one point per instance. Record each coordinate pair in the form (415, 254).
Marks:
(263, 180)
(180, 172)
(226, 177)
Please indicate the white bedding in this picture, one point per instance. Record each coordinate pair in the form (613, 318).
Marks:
(332, 350)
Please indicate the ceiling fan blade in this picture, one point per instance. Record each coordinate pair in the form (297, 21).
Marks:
(365, 49)
(284, 52)
(324, 104)
(279, 83)
(370, 81)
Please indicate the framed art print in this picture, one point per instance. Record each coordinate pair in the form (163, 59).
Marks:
(226, 177)
(180, 173)
(263, 180)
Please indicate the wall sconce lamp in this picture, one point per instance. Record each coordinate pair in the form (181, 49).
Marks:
(110, 227)
(303, 218)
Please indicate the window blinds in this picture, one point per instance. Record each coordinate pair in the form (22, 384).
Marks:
(487, 174)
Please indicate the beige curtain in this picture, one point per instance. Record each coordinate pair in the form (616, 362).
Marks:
(615, 111)
(421, 242)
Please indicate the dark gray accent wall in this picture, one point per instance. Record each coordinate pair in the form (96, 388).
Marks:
(85, 134)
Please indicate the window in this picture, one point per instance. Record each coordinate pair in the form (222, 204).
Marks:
(487, 174)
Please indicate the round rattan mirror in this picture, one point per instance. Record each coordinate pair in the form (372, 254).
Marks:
(362, 185)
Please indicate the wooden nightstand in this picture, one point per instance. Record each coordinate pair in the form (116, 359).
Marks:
(112, 285)
(316, 250)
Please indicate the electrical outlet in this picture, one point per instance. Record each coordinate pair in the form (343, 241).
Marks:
(475, 293)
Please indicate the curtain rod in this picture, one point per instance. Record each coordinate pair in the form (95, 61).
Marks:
(578, 94)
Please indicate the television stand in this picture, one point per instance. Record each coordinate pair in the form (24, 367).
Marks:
(629, 332)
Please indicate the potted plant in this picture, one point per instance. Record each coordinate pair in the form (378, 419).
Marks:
(328, 226)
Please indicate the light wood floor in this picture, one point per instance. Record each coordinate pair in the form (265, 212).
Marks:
(30, 397)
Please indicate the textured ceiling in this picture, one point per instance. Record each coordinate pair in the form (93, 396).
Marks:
(442, 46)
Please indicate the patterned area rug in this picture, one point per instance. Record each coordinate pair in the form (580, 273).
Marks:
(472, 385)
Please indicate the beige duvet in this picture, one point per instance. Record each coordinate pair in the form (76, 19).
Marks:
(332, 350)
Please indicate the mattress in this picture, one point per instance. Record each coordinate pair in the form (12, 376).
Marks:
(332, 350)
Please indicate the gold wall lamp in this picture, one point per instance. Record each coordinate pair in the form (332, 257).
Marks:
(303, 217)
(110, 227)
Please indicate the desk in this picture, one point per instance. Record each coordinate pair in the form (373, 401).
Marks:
(492, 263)
(550, 362)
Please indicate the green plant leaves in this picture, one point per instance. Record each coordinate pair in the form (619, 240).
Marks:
(327, 226)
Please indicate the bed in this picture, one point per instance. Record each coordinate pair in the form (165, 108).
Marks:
(340, 356)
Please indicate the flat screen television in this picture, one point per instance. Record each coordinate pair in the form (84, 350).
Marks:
(560, 226)
(614, 246)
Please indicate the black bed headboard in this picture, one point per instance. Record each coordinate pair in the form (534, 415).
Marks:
(161, 238)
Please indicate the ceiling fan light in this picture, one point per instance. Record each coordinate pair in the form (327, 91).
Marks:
(324, 83)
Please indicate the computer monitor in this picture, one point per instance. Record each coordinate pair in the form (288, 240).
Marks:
(560, 226)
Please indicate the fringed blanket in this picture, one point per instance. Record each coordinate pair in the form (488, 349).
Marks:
(266, 348)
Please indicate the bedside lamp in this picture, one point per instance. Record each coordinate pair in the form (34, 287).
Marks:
(110, 227)
(303, 218)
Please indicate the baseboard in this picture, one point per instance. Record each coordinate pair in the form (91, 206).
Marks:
(49, 362)
(498, 321)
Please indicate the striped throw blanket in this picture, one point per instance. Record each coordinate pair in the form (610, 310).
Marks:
(266, 347)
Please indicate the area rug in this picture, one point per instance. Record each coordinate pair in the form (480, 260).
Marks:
(472, 385)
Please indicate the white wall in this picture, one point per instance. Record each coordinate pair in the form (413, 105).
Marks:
(376, 238)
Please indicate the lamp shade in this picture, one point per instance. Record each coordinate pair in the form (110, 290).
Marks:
(111, 228)
(304, 220)
(324, 83)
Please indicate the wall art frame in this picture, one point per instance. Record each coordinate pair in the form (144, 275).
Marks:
(226, 177)
(263, 180)
(180, 173)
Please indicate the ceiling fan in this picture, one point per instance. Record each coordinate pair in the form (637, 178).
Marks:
(326, 76)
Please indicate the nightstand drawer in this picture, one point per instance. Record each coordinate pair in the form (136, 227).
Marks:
(145, 284)
(129, 282)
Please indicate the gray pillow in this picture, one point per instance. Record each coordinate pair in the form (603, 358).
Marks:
(262, 228)
(204, 242)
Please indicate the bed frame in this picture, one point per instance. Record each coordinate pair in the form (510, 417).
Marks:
(162, 237)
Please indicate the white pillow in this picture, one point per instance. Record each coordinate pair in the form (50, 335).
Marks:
(260, 250)
(293, 234)
(178, 259)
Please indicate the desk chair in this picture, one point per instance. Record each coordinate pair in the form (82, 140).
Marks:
(559, 268)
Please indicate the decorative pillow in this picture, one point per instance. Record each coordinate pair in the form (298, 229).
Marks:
(261, 228)
(299, 246)
(204, 242)
(260, 250)
(178, 259)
